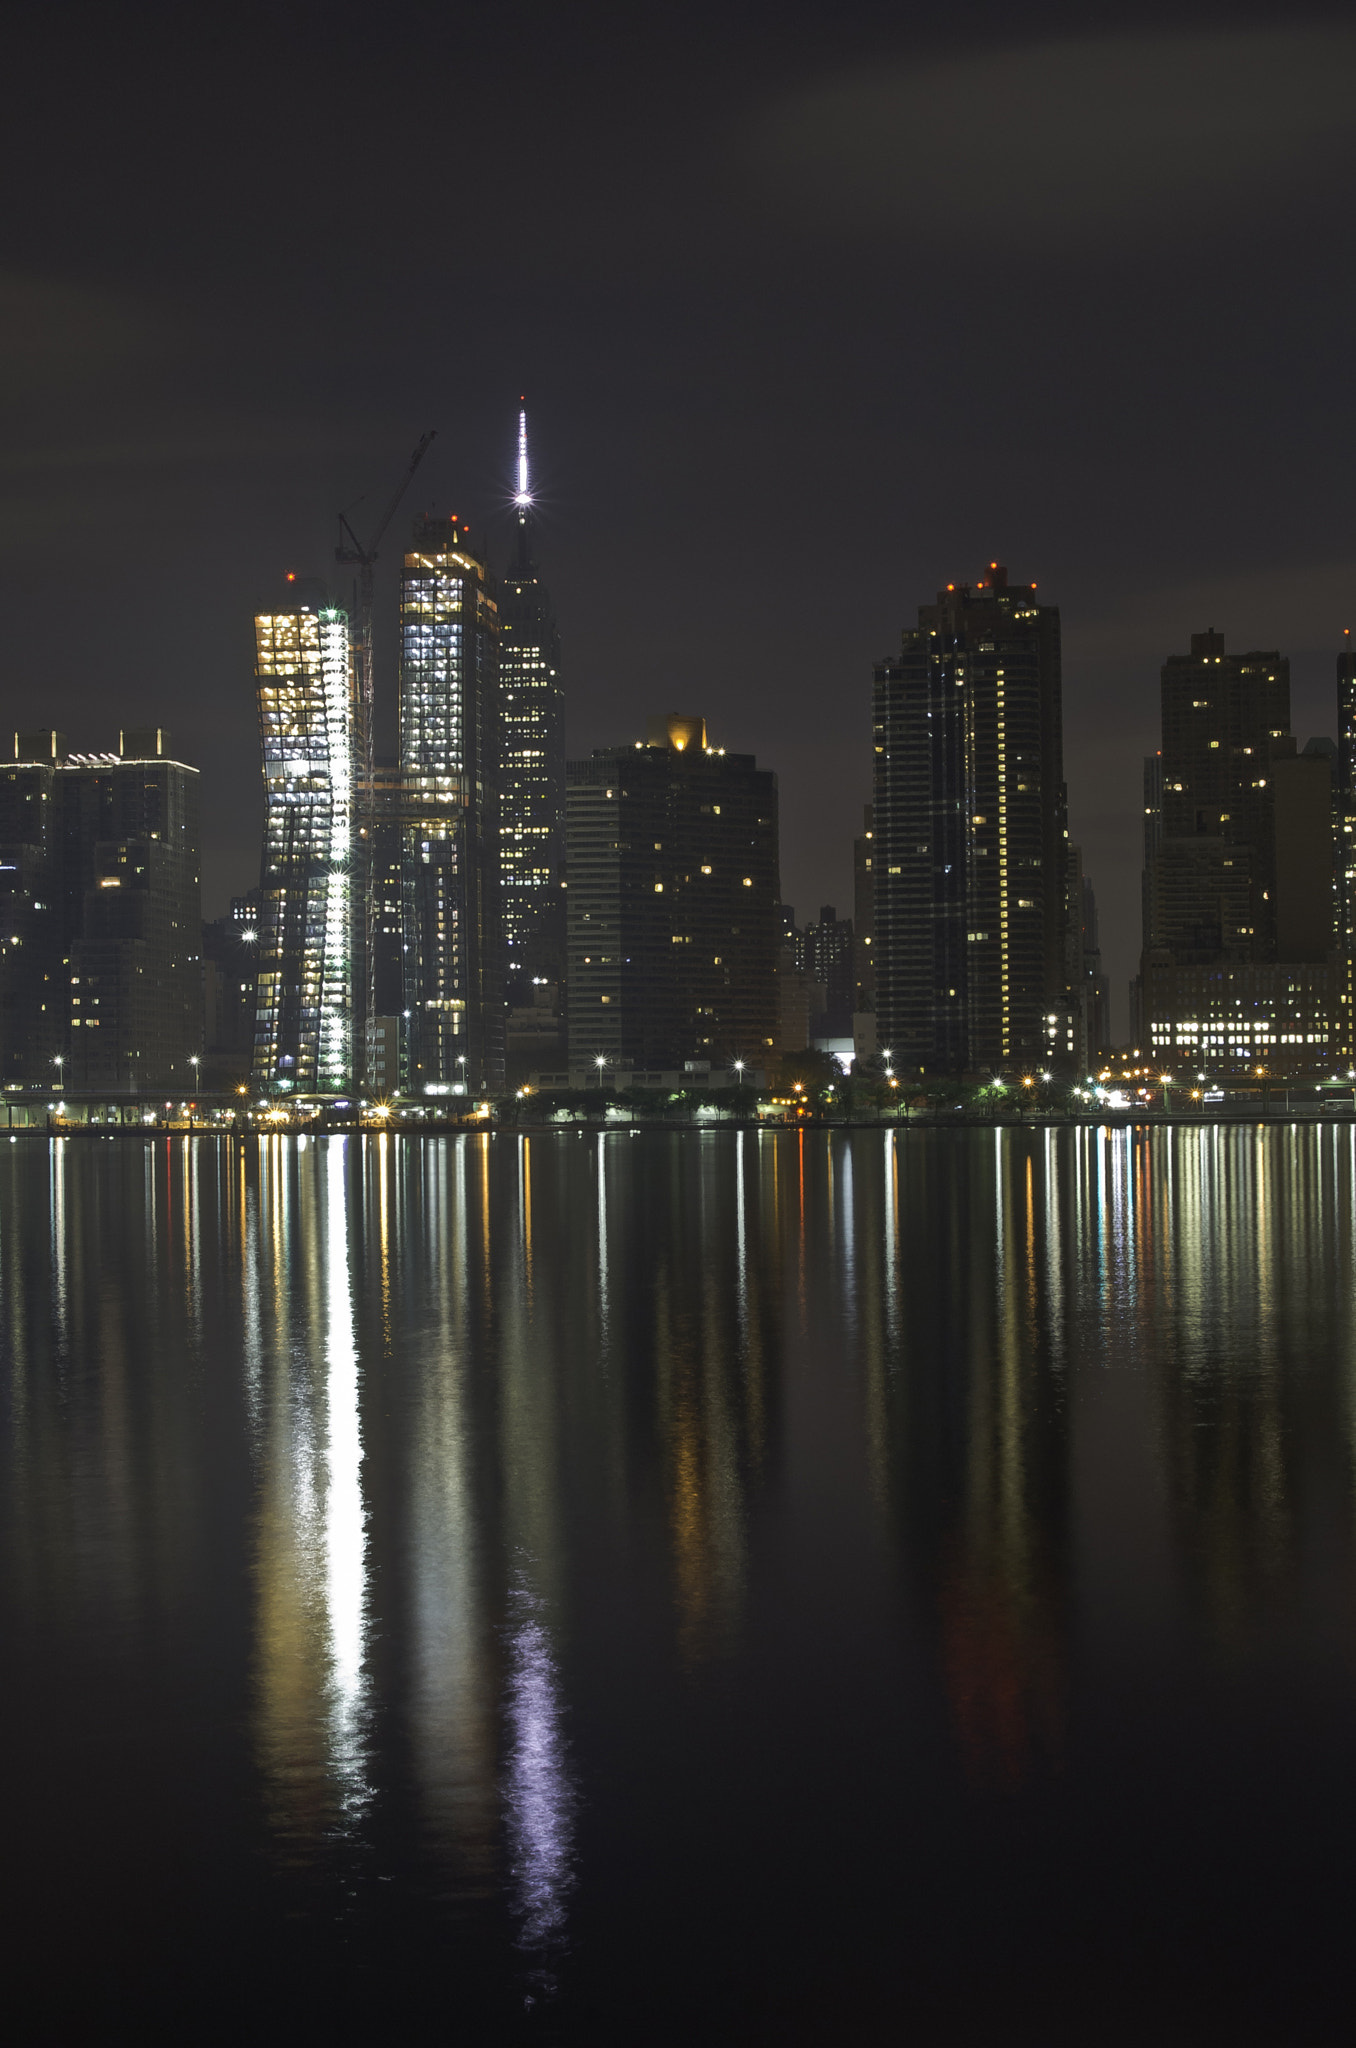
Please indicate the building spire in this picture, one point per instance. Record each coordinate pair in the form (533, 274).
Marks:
(522, 497)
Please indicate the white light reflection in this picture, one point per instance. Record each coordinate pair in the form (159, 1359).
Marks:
(602, 1243)
(741, 1253)
(539, 1793)
(345, 1535)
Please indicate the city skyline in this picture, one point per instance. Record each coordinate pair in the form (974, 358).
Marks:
(720, 368)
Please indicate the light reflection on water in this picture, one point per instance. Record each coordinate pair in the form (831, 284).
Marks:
(539, 1795)
(805, 1479)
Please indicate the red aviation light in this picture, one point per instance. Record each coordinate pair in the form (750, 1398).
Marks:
(291, 575)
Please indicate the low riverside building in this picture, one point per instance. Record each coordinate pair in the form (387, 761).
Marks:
(1246, 1017)
(692, 1076)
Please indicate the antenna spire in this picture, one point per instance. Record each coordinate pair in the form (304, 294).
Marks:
(523, 495)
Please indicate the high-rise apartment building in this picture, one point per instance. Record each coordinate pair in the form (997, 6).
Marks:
(1344, 833)
(1239, 923)
(1096, 988)
(230, 965)
(101, 970)
(673, 903)
(386, 1037)
(531, 760)
(830, 957)
(970, 835)
(32, 974)
(449, 801)
(312, 894)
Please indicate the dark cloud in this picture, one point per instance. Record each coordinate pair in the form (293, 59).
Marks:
(1066, 141)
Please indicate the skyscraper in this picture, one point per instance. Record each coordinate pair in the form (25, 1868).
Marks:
(1239, 896)
(1344, 831)
(312, 887)
(970, 835)
(102, 968)
(673, 902)
(531, 759)
(453, 947)
(32, 975)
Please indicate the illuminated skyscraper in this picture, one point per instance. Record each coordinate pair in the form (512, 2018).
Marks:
(1344, 832)
(312, 909)
(454, 982)
(970, 838)
(531, 759)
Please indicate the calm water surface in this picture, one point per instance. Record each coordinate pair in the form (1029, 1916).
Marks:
(763, 1587)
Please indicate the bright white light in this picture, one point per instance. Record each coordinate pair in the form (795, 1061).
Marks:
(540, 1795)
(523, 495)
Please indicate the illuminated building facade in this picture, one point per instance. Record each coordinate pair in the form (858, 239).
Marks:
(531, 761)
(673, 904)
(1344, 832)
(1238, 968)
(312, 900)
(970, 837)
(1237, 1017)
(448, 801)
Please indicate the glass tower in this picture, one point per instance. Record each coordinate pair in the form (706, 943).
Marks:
(312, 910)
(454, 995)
(970, 837)
(531, 759)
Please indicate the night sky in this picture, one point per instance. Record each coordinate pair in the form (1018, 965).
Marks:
(816, 309)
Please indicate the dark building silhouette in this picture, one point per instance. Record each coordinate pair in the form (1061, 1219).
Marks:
(864, 914)
(130, 860)
(32, 975)
(101, 917)
(1096, 989)
(230, 964)
(830, 962)
(1239, 897)
(673, 902)
(970, 836)
(449, 814)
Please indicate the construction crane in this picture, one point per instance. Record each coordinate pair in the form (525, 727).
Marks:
(352, 554)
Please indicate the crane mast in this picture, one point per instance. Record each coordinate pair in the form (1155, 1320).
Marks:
(352, 554)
